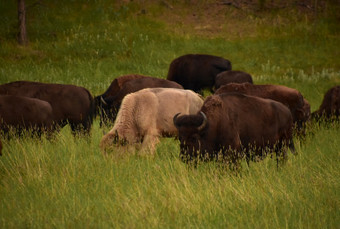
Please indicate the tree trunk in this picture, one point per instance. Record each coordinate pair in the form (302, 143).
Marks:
(22, 35)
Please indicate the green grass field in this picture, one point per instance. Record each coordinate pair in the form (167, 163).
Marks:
(68, 183)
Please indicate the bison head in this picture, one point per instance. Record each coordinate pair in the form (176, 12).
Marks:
(107, 108)
(190, 128)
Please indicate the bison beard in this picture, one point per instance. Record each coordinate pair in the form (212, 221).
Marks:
(233, 125)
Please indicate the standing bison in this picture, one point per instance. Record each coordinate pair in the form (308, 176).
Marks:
(22, 113)
(230, 124)
(110, 105)
(290, 97)
(330, 106)
(197, 71)
(146, 115)
(71, 104)
(227, 77)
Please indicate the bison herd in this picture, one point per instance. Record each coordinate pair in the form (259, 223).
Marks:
(239, 120)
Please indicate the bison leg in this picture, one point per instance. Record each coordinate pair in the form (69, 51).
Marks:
(281, 153)
(81, 128)
(149, 144)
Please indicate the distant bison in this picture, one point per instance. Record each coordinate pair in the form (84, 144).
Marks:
(71, 104)
(22, 113)
(330, 106)
(197, 71)
(146, 115)
(229, 124)
(232, 77)
(111, 104)
(290, 97)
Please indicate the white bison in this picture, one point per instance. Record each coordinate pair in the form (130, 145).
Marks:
(148, 114)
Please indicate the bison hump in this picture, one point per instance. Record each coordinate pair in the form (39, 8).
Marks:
(213, 101)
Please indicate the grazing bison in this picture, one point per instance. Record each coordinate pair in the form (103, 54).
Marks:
(115, 86)
(22, 113)
(234, 123)
(197, 71)
(330, 106)
(290, 97)
(110, 105)
(147, 115)
(232, 77)
(71, 104)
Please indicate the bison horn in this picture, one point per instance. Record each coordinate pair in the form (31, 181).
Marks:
(103, 101)
(204, 123)
(174, 120)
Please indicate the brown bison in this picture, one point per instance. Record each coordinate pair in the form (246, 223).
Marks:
(115, 86)
(146, 115)
(290, 97)
(330, 106)
(111, 104)
(197, 71)
(118, 83)
(229, 124)
(232, 77)
(22, 113)
(71, 104)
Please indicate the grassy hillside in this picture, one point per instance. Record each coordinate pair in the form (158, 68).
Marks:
(68, 183)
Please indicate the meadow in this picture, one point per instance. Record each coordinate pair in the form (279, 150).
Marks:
(68, 183)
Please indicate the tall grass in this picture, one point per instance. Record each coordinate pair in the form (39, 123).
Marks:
(67, 182)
